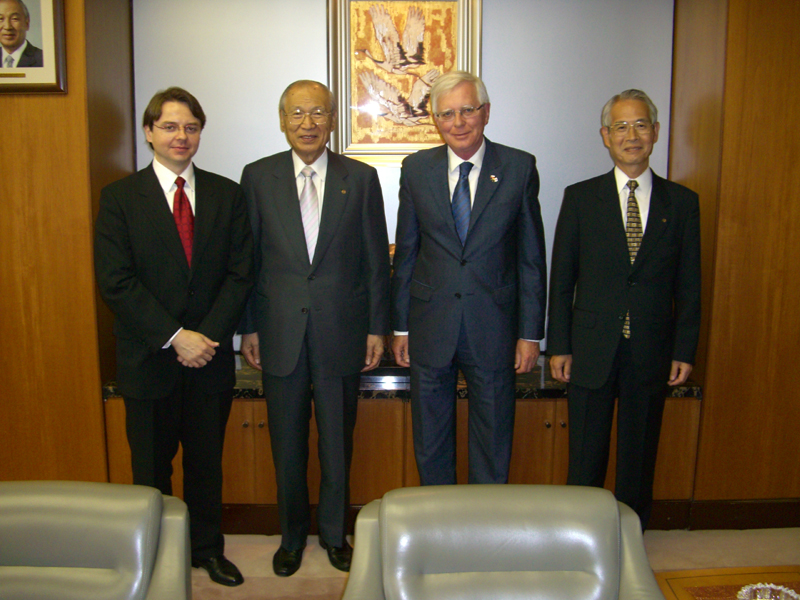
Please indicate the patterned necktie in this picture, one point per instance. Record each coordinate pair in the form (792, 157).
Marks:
(633, 231)
(461, 201)
(9, 62)
(184, 219)
(309, 209)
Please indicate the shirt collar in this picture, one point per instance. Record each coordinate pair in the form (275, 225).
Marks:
(453, 161)
(645, 181)
(320, 165)
(17, 54)
(166, 178)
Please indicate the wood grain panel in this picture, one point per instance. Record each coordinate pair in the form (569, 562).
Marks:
(239, 455)
(52, 425)
(698, 80)
(534, 441)
(752, 393)
(378, 445)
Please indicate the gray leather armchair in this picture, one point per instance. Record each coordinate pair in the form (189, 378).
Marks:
(90, 541)
(499, 541)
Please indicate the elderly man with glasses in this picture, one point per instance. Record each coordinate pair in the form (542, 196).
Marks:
(468, 291)
(318, 313)
(624, 303)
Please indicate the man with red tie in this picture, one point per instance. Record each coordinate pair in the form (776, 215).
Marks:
(174, 262)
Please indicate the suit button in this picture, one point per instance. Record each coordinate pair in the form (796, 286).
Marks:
(463, 263)
(458, 295)
(631, 282)
(191, 292)
(304, 310)
(312, 277)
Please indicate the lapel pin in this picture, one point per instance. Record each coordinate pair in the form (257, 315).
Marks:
(344, 191)
(663, 220)
(493, 178)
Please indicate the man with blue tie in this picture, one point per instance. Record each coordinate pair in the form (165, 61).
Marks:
(468, 291)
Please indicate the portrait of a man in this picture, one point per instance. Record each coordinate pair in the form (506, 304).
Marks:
(17, 51)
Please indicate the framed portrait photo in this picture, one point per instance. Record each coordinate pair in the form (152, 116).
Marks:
(32, 59)
(383, 57)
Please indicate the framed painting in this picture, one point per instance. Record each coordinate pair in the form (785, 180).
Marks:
(32, 59)
(383, 56)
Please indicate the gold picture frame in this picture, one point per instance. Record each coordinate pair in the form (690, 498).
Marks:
(382, 57)
(44, 70)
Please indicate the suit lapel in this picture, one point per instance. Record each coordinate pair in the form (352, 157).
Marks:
(491, 175)
(335, 196)
(287, 205)
(657, 220)
(207, 204)
(157, 210)
(611, 215)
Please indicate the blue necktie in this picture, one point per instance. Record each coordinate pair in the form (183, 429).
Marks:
(461, 202)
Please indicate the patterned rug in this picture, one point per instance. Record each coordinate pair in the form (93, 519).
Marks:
(723, 584)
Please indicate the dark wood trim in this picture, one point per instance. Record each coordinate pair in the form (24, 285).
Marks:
(667, 514)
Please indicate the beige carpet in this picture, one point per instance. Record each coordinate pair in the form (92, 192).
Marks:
(318, 580)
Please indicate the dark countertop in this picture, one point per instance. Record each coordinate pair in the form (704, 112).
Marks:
(391, 381)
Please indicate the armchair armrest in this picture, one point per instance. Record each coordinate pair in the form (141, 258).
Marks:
(366, 580)
(172, 573)
(636, 577)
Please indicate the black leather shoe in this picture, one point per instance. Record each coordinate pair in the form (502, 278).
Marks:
(286, 562)
(340, 557)
(220, 569)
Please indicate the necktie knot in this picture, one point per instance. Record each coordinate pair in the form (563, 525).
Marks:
(9, 62)
(633, 184)
(307, 172)
(180, 181)
(464, 169)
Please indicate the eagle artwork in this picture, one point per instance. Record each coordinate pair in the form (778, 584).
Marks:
(403, 62)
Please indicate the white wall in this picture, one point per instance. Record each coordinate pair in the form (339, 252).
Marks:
(549, 66)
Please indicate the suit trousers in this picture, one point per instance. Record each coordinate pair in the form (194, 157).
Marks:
(639, 412)
(197, 421)
(491, 394)
(289, 400)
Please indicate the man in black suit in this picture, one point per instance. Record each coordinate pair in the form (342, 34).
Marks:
(15, 20)
(318, 312)
(469, 283)
(174, 262)
(624, 303)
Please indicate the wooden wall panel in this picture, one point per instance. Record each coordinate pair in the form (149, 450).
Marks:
(52, 421)
(696, 127)
(748, 446)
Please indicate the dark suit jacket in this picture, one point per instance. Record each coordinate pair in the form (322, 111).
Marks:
(496, 281)
(593, 284)
(346, 289)
(31, 57)
(144, 277)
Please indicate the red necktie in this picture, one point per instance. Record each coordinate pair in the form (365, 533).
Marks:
(184, 219)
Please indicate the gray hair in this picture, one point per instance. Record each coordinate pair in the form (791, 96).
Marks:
(300, 82)
(605, 116)
(448, 81)
(24, 10)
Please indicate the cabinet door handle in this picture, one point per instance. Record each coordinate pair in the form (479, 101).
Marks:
(246, 424)
(547, 424)
(563, 424)
(261, 424)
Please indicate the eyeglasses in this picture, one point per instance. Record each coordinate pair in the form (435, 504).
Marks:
(174, 128)
(466, 112)
(298, 116)
(623, 127)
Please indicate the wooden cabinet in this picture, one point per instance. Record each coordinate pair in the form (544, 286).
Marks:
(383, 450)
